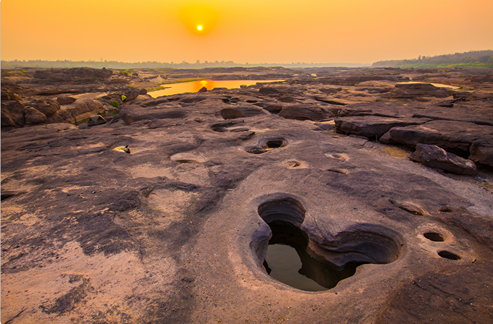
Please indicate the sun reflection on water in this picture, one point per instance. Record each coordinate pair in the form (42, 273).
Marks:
(195, 86)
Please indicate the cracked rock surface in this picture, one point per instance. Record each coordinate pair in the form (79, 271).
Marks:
(177, 230)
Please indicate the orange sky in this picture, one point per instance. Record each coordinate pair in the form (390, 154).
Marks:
(253, 31)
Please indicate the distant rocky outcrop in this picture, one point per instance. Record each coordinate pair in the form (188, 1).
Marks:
(418, 90)
(354, 80)
(79, 75)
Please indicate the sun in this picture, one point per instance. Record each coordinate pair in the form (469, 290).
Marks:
(198, 18)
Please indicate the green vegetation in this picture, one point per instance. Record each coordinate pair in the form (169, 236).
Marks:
(156, 88)
(473, 59)
(114, 104)
(95, 79)
(6, 79)
(130, 86)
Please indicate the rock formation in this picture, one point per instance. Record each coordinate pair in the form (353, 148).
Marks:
(176, 229)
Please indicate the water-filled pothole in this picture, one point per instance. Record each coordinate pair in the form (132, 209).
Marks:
(296, 260)
(288, 261)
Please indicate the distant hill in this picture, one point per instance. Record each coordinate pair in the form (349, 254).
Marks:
(472, 59)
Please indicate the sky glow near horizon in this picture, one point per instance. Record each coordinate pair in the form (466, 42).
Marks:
(257, 31)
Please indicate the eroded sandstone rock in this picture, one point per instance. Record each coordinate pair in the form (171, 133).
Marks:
(416, 90)
(436, 157)
(373, 126)
(12, 113)
(75, 111)
(482, 150)
(177, 230)
(73, 74)
(33, 116)
(304, 112)
(47, 107)
(65, 100)
(454, 136)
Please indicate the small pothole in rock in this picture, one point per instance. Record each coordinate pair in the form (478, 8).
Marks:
(186, 161)
(434, 236)
(449, 255)
(338, 156)
(267, 144)
(338, 170)
(294, 164)
(275, 143)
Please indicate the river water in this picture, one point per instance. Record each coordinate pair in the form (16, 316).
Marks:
(195, 86)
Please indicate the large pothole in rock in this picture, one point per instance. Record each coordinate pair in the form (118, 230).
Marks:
(288, 261)
(294, 259)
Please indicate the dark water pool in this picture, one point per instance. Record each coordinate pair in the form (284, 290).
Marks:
(288, 261)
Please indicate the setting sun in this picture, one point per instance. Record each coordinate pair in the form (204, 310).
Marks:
(195, 16)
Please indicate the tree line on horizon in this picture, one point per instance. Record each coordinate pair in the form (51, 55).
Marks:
(152, 64)
(472, 59)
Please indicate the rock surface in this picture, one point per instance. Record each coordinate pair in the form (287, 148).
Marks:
(33, 116)
(65, 100)
(436, 157)
(418, 90)
(176, 231)
(47, 107)
(373, 126)
(482, 151)
(453, 136)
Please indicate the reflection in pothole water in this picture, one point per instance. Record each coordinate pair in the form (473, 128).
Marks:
(288, 262)
(284, 264)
